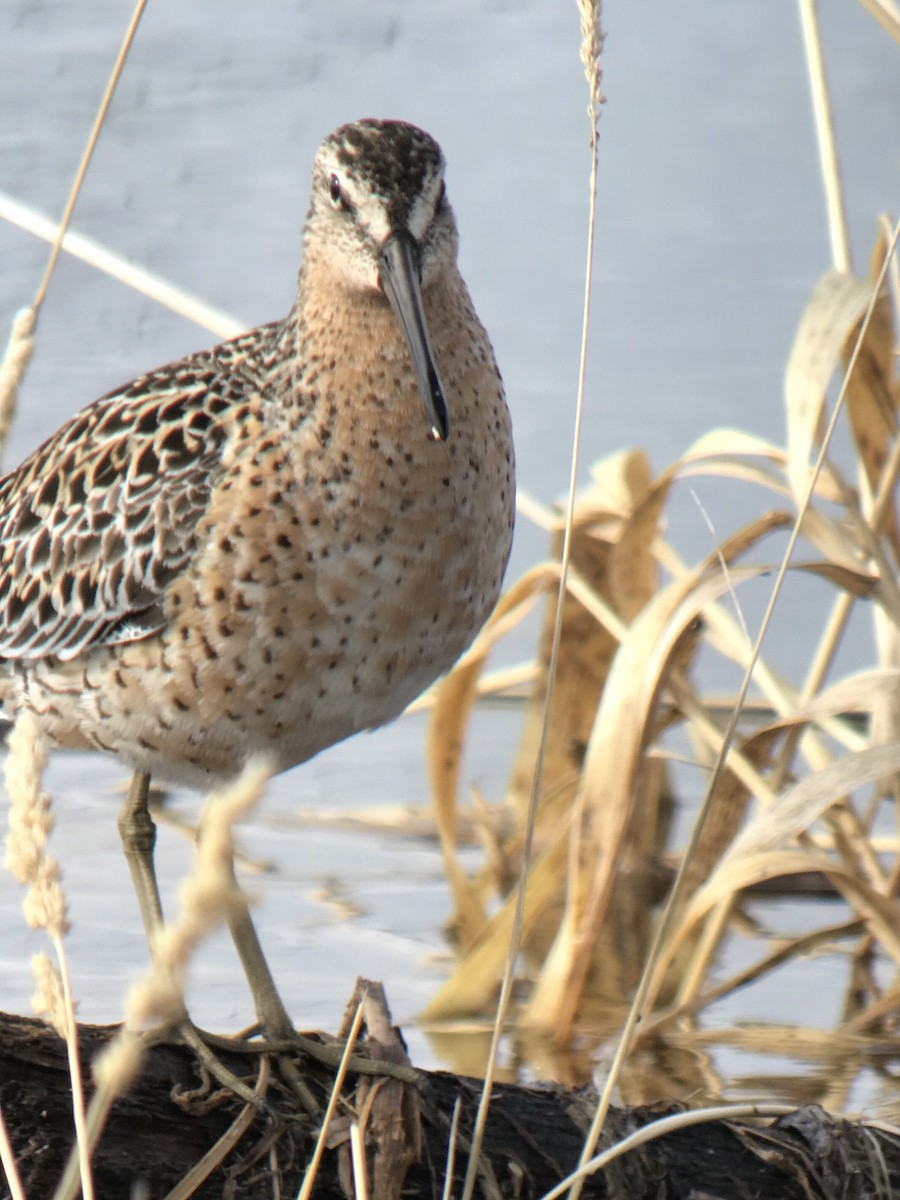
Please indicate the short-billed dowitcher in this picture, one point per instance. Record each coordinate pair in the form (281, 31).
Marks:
(268, 546)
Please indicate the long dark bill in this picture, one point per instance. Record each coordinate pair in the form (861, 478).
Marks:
(399, 263)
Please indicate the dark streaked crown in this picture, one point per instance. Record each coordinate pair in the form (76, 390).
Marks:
(393, 159)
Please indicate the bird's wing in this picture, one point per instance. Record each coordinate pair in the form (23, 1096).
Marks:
(97, 521)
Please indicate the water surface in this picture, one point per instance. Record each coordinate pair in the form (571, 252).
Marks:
(711, 233)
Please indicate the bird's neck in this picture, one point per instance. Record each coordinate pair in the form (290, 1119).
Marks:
(335, 330)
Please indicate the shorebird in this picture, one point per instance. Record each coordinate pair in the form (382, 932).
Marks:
(276, 543)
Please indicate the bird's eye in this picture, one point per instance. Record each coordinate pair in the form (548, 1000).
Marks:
(334, 187)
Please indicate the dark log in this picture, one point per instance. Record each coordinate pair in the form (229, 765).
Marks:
(169, 1121)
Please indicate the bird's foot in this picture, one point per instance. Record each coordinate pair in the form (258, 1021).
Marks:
(279, 1048)
(330, 1053)
(283, 1044)
(203, 1045)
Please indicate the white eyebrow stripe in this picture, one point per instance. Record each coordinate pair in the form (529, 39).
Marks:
(371, 213)
(372, 216)
(421, 214)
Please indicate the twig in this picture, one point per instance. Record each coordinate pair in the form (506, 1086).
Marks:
(591, 45)
(22, 341)
(831, 175)
(313, 1167)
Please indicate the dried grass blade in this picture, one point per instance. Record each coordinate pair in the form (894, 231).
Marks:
(885, 1005)
(832, 314)
(858, 693)
(886, 14)
(312, 1168)
(453, 702)
(799, 946)
(609, 784)
(881, 913)
(828, 159)
(801, 805)
(475, 978)
(8, 1163)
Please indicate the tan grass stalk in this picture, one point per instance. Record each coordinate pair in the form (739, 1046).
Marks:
(723, 633)
(44, 906)
(673, 904)
(86, 250)
(723, 564)
(358, 1158)
(886, 14)
(533, 510)
(22, 343)
(831, 175)
(796, 947)
(474, 979)
(207, 896)
(99, 120)
(658, 1129)
(453, 704)
(804, 1041)
(12, 368)
(885, 1005)
(884, 236)
(275, 1171)
(450, 1168)
(8, 1162)
(655, 639)
(590, 12)
(312, 1169)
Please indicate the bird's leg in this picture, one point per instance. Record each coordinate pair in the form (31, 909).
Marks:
(271, 1014)
(270, 1011)
(138, 833)
(273, 1018)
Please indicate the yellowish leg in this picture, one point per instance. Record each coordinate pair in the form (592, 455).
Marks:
(270, 1011)
(138, 834)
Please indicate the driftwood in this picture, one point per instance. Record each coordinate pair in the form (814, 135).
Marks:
(158, 1134)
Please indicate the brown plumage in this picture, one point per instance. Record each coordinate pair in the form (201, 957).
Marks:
(268, 546)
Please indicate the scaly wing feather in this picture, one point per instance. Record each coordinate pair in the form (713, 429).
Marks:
(97, 522)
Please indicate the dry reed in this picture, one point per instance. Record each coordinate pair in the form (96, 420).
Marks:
(206, 898)
(797, 785)
(44, 906)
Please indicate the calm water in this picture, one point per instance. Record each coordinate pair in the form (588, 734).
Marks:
(711, 233)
